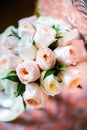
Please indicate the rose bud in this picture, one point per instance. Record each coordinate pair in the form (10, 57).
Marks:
(9, 61)
(25, 49)
(68, 35)
(34, 95)
(71, 78)
(51, 86)
(9, 42)
(25, 28)
(45, 58)
(44, 36)
(66, 55)
(28, 71)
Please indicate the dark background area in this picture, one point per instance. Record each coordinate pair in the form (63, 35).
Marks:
(13, 10)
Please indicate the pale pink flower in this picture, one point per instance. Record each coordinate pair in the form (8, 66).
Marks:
(31, 19)
(9, 42)
(44, 36)
(45, 58)
(71, 54)
(82, 67)
(28, 71)
(25, 49)
(71, 78)
(34, 95)
(68, 35)
(66, 55)
(25, 28)
(9, 61)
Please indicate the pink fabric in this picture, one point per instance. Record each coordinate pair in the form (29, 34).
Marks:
(63, 9)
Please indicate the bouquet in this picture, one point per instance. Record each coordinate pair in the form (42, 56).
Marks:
(40, 58)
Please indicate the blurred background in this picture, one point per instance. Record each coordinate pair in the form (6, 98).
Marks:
(13, 10)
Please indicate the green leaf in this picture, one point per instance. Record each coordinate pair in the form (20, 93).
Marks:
(58, 36)
(49, 72)
(79, 86)
(11, 76)
(56, 28)
(13, 33)
(67, 30)
(62, 67)
(12, 72)
(24, 103)
(58, 33)
(20, 89)
(54, 45)
(33, 42)
(59, 79)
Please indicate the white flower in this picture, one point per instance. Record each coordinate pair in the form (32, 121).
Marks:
(25, 28)
(10, 61)
(71, 78)
(34, 95)
(50, 85)
(50, 21)
(10, 87)
(44, 36)
(30, 19)
(25, 49)
(82, 67)
(3, 72)
(9, 42)
(7, 31)
(66, 55)
(68, 35)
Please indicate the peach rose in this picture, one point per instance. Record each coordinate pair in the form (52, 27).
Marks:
(9, 61)
(34, 95)
(28, 71)
(66, 55)
(71, 78)
(45, 58)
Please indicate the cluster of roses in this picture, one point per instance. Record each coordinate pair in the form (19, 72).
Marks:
(40, 58)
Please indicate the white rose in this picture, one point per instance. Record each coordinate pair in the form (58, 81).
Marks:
(7, 31)
(71, 78)
(9, 42)
(44, 36)
(3, 72)
(68, 35)
(10, 61)
(25, 28)
(82, 67)
(10, 87)
(51, 85)
(25, 49)
(34, 95)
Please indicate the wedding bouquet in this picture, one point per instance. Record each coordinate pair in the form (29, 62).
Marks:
(39, 59)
